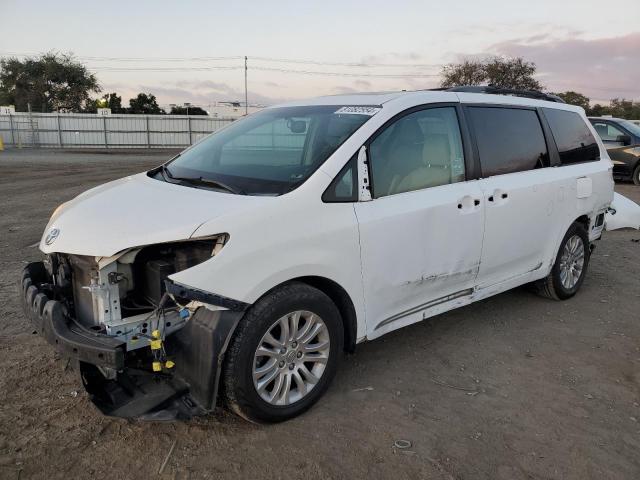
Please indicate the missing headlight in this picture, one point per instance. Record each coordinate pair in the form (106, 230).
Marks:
(153, 264)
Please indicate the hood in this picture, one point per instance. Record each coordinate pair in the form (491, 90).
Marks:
(135, 211)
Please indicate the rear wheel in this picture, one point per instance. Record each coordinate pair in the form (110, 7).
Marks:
(284, 354)
(570, 267)
(636, 175)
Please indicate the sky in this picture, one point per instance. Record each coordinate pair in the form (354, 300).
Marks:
(193, 51)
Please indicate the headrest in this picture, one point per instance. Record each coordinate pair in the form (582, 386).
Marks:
(409, 131)
(436, 150)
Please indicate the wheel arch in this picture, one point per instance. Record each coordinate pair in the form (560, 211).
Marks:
(582, 220)
(551, 255)
(340, 297)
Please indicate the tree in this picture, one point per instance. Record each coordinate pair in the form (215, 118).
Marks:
(598, 110)
(110, 100)
(622, 108)
(619, 107)
(178, 110)
(496, 71)
(575, 98)
(50, 82)
(145, 103)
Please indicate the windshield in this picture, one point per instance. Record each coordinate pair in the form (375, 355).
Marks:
(270, 152)
(632, 127)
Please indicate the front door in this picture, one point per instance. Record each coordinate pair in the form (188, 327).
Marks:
(421, 235)
(622, 149)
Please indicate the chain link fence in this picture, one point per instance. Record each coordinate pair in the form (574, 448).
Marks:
(73, 130)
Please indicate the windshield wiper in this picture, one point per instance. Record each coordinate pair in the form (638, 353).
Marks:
(203, 181)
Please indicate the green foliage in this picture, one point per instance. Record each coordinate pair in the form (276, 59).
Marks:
(619, 108)
(110, 100)
(177, 110)
(622, 108)
(499, 72)
(51, 82)
(575, 98)
(145, 103)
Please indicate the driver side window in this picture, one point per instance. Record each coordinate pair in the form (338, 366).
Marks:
(419, 150)
(607, 132)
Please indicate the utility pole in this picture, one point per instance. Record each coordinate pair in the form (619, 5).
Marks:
(246, 96)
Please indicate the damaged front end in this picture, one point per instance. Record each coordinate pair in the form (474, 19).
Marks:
(146, 347)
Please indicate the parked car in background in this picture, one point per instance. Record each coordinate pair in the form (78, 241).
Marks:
(622, 140)
(240, 270)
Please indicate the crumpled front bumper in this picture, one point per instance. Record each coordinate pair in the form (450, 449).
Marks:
(133, 392)
(49, 318)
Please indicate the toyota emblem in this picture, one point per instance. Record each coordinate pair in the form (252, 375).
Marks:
(51, 236)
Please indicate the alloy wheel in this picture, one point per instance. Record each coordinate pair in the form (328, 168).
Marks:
(291, 358)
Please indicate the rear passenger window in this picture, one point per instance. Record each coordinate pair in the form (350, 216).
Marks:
(509, 140)
(573, 138)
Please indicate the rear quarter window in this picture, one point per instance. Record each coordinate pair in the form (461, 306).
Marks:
(573, 138)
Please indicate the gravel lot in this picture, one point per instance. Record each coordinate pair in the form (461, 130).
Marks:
(513, 387)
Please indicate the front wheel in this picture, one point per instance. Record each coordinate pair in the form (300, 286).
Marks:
(284, 354)
(570, 267)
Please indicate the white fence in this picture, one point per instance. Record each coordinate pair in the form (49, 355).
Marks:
(73, 130)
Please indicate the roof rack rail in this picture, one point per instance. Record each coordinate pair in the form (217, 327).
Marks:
(506, 91)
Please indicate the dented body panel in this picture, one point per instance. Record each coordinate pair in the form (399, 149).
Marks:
(624, 213)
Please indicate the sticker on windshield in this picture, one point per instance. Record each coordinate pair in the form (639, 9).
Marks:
(358, 110)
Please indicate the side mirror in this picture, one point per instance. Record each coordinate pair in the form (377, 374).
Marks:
(624, 140)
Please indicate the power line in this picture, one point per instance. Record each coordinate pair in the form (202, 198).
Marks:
(157, 59)
(132, 59)
(162, 69)
(346, 64)
(344, 74)
(111, 68)
(261, 59)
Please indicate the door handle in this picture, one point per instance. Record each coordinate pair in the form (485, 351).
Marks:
(468, 203)
(498, 194)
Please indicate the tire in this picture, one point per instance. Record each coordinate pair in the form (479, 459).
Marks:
(636, 175)
(561, 287)
(272, 314)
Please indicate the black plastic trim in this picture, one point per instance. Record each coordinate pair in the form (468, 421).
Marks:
(183, 291)
(492, 90)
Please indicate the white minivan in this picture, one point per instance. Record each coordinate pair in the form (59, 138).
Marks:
(238, 272)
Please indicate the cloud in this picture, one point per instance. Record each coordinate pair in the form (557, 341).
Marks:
(363, 84)
(601, 68)
(393, 57)
(205, 92)
(343, 89)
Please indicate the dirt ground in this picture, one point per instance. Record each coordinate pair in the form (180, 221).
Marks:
(513, 387)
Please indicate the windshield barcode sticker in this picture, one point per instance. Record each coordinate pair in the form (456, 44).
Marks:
(358, 110)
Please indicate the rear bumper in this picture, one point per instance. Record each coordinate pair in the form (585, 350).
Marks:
(115, 380)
